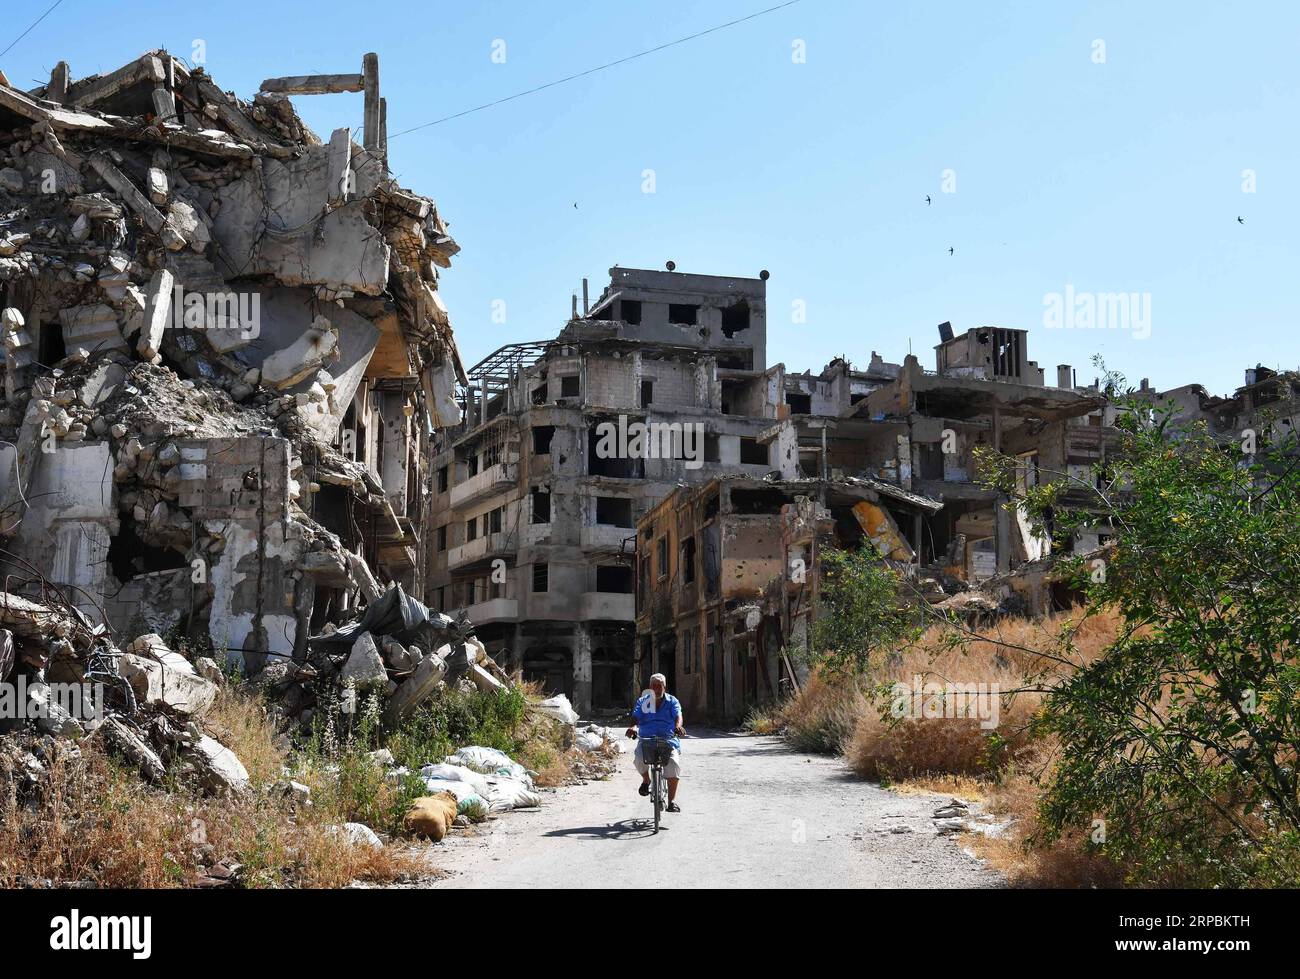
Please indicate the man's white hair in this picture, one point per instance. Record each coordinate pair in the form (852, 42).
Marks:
(660, 677)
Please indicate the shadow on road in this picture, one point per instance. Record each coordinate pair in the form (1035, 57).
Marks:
(627, 829)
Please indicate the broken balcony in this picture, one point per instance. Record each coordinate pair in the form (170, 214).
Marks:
(608, 606)
(494, 479)
(482, 548)
(494, 610)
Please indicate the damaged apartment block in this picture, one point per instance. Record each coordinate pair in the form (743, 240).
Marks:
(538, 514)
(728, 573)
(225, 356)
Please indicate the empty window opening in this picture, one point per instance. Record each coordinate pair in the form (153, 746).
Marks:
(735, 319)
(471, 529)
(647, 393)
(442, 537)
(751, 453)
(542, 435)
(800, 404)
(129, 556)
(541, 506)
(569, 386)
(614, 578)
(683, 314)
(494, 520)
(614, 511)
(601, 461)
(52, 348)
(738, 361)
(662, 550)
(712, 449)
(758, 500)
(442, 480)
(630, 311)
(541, 577)
(688, 561)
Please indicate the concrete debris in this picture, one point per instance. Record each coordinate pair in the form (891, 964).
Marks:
(218, 768)
(225, 357)
(364, 668)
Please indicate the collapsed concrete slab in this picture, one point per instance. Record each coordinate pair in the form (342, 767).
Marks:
(200, 437)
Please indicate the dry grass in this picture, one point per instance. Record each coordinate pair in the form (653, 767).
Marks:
(985, 736)
(823, 715)
(954, 755)
(239, 721)
(91, 820)
(96, 822)
(1066, 863)
(964, 787)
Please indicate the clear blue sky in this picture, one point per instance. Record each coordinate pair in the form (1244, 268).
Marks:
(1124, 176)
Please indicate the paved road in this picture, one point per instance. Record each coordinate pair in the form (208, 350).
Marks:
(755, 814)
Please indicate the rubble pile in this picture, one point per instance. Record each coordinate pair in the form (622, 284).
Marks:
(224, 356)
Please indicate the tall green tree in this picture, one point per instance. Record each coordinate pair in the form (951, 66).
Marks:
(1178, 747)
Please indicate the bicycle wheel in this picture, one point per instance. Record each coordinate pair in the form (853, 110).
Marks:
(656, 792)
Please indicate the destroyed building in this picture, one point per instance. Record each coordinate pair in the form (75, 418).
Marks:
(920, 429)
(728, 572)
(225, 356)
(539, 513)
(1264, 412)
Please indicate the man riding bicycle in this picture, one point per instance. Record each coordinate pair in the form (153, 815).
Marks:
(660, 716)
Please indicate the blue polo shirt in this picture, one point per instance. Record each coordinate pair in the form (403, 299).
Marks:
(661, 723)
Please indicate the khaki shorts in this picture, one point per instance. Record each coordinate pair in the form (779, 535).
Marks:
(671, 770)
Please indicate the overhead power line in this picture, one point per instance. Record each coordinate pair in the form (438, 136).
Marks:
(592, 71)
(30, 29)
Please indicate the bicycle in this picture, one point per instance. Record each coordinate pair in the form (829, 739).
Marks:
(656, 752)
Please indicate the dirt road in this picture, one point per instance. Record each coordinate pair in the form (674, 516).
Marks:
(755, 814)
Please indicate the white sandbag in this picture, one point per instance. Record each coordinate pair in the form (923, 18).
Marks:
(489, 761)
(461, 790)
(457, 773)
(589, 740)
(508, 793)
(559, 708)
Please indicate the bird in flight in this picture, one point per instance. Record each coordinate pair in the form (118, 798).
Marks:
(927, 200)
(575, 205)
(1239, 219)
(950, 249)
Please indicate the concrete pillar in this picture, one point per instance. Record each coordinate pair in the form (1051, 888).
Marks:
(582, 669)
(1002, 523)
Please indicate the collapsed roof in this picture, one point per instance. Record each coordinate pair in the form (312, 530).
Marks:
(209, 317)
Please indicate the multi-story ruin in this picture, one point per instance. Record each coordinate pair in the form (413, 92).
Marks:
(728, 572)
(537, 519)
(225, 356)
